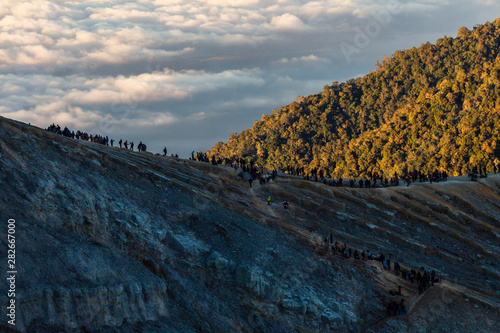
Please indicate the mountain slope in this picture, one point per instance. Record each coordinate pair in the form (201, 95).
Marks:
(431, 107)
(109, 239)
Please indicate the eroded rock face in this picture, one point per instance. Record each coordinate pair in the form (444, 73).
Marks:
(114, 240)
(463, 314)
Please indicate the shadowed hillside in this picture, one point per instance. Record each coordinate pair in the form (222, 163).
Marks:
(112, 240)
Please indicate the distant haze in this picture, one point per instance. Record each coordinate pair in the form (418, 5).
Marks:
(187, 74)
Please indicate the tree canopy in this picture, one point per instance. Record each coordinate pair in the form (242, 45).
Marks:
(426, 108)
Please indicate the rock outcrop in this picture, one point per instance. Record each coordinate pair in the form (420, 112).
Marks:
(109, 239)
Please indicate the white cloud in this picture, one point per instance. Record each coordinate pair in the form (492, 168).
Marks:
(123, 13)
(288, 21)
(309, 58)
(57, 112)
(166, 2)
(199, 116)
(152, 120)
(32, 55)
(229, 3)
(9, 88)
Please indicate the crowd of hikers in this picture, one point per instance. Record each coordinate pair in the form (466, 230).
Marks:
(370, 182)
(104, 140)
(320, 175)
(421, 276)
(480, 172)
(249, 169)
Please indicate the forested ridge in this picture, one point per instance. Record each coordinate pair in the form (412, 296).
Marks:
(426, 108)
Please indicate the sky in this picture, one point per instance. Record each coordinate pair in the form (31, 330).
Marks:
(187, 74)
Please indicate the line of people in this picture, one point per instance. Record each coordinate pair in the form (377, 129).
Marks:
(316, 174)
(104, 140)
(249, 169)
(140, 147)
(422, 276)
(373, 181)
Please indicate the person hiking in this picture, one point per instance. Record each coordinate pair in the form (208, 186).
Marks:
(285, 204)
(165, 151)
(126, 144)
(397, 267)
(120, 143)
(131, 146)
(403, 306)
(269, 200)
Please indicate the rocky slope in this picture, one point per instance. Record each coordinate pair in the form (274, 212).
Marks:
(111, 240)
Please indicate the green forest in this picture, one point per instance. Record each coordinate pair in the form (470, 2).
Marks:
(434, 107)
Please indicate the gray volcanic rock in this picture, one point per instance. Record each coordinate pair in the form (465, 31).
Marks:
(112, 240)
